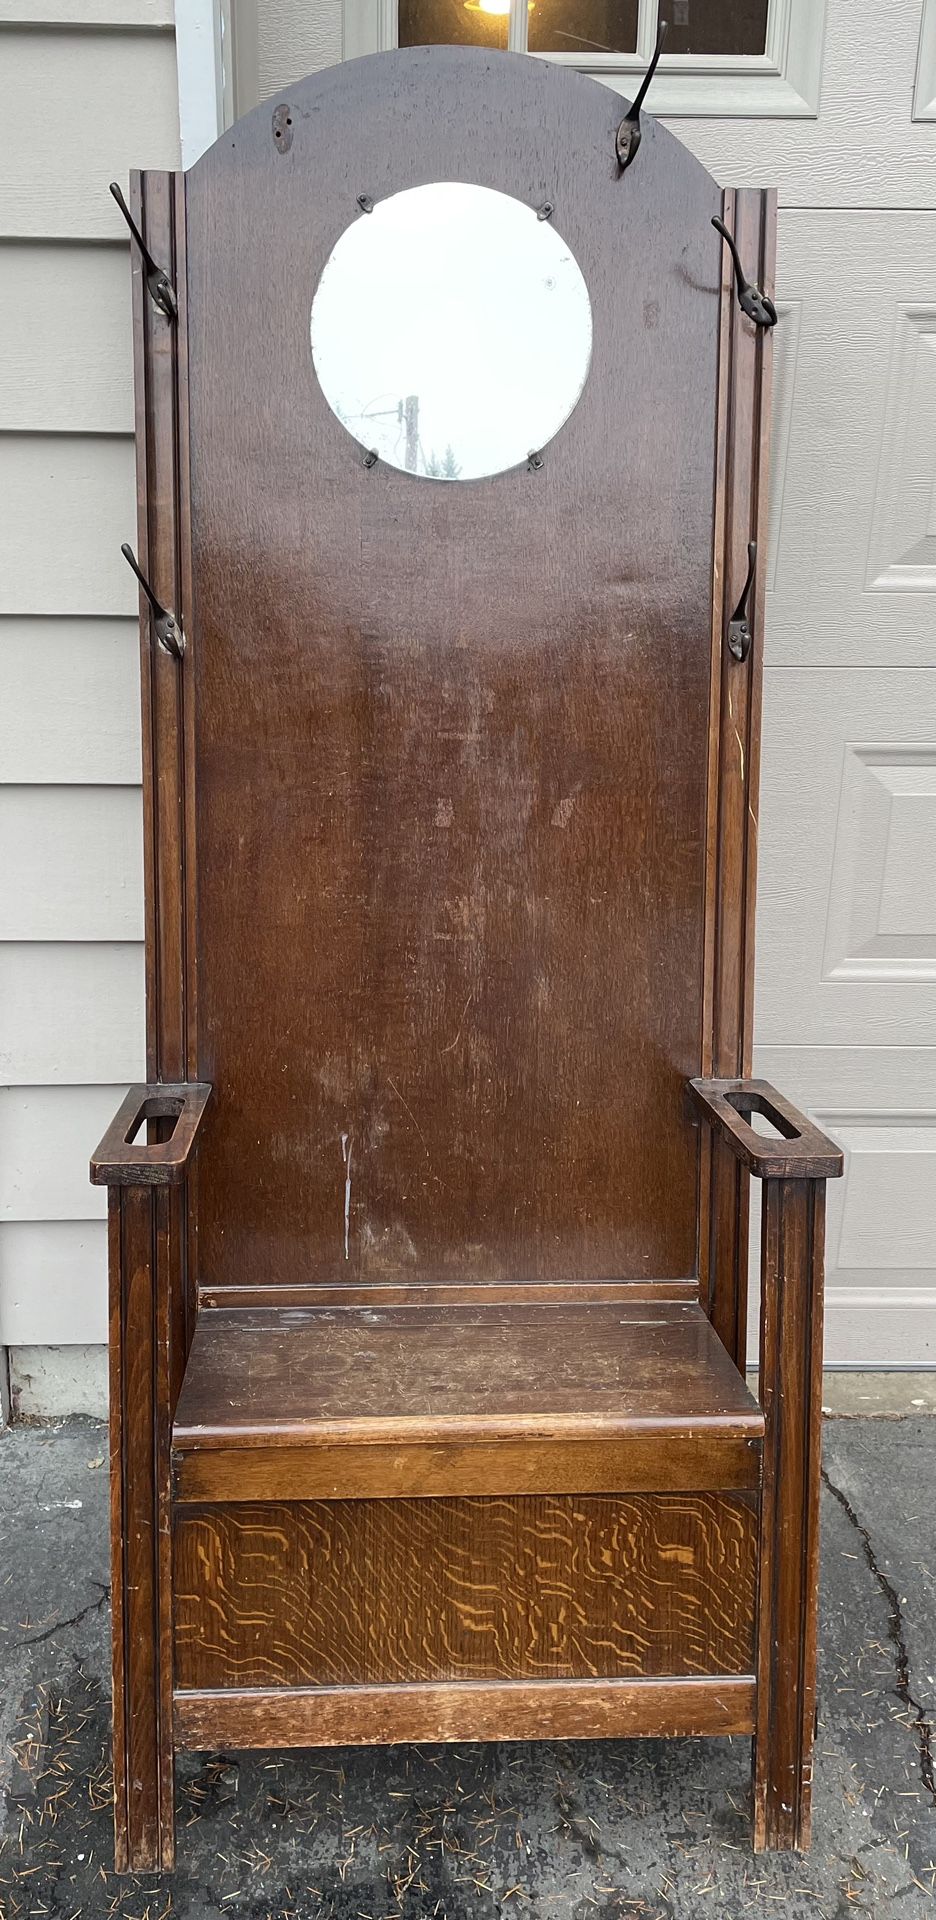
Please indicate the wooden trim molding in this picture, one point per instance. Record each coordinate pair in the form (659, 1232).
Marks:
(465, 1710)
(639, 1462)
(745, 368)
(167, 685)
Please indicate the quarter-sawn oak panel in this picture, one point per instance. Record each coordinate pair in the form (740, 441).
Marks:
(332, 1592)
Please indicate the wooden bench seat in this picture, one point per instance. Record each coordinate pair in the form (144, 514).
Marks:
(345, 1402)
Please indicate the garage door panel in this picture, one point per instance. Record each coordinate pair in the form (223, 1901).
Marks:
(879, 1103)
(852, 563)
(847, 900)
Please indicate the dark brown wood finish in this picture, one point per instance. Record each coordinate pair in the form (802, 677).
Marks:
(150, 1300)
(389, 1373)
(794, 1172)
(745, 365)
(792, 1237)
(474, 1710)
(143, 1260)
(121, 1160)
(544, 1587)
(640, 1460)
(381, 1402)
(425, 711)
(804, 1151)
(473, 785)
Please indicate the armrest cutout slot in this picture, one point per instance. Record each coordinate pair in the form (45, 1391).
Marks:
(751, 1106)
(155, 1112)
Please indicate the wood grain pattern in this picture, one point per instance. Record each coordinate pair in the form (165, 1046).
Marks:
(400, 790)
(395, 1373)
(470, 1710)
(792, 1239)
(140, 1280)
(744, 374)
(356, 1592)
(804, 1152)
(472, 787)
(172, 1114)
(632, 1459)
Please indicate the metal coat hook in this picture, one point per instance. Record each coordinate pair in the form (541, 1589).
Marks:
(167, 628)
(739, 626)
(627, 138)
(161, 289)
(755, 304)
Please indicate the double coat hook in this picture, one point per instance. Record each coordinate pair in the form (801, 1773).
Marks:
(739, 626)
(165, 625)
(159, 285)
(755, 304)
(627, 139)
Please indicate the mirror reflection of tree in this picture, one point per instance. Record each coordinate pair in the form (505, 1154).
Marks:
(445, 469)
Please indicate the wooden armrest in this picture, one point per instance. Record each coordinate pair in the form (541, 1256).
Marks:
(804, 1153)
(123, 1161)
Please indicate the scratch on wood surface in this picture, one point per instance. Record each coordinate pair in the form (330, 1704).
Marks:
(346, 1147)
(453, 1043)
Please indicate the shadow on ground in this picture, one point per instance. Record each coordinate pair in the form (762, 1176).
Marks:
(572, 1831)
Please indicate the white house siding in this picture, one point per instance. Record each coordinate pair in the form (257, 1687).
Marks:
(88, 89)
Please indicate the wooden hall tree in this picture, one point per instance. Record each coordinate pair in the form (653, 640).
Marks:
(428, 1271)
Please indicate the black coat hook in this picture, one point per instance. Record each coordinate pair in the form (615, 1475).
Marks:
(167, 628)
(161, 289)
(627, 139)
(750, 299)
(739, 626)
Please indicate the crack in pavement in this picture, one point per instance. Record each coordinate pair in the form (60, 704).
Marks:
(74, 1620)
(895, 1628)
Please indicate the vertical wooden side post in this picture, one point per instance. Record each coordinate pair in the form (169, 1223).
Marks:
(791, 1393)
(141, 1252)
(150, 1282)
(745, 367)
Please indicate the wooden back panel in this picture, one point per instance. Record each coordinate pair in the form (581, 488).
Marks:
(450, 741)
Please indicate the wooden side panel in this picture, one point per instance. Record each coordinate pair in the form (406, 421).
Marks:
(148, 1229)
(140, 1268)
(337, 1592)
(793, 1224)
(734, 770)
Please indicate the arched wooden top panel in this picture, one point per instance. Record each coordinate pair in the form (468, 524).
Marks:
(450, 741)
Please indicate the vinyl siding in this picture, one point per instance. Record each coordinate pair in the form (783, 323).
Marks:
(87, 90)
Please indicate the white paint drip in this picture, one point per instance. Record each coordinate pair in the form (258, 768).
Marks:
(346, 1145)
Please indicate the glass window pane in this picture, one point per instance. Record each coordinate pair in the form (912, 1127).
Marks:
(716, 26)
(459, 23)
(583, 27)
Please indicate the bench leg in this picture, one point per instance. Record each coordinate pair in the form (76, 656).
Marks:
(140, 1252)
(791, 1394)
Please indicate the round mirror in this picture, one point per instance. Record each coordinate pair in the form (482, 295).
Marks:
(451, 331)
